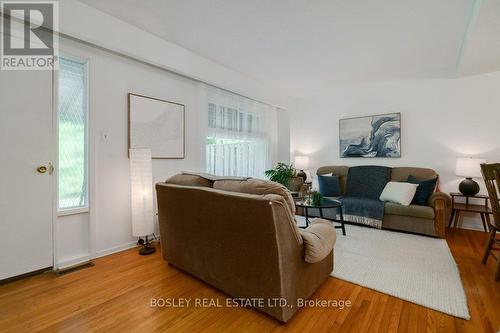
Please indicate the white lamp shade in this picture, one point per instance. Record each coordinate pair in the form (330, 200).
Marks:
(141, 182)
(469, 167)
(301, 162)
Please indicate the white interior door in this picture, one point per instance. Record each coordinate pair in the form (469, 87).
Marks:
(26, 195)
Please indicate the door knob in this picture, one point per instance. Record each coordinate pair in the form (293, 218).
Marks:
(42, 169)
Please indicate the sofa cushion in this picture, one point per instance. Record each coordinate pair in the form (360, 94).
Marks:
(319, 240)
(424, 212)
(399, 192)
(424, 190)
(189, 180)
(256, 186)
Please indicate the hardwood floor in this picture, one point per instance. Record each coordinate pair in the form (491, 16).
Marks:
(115, 295)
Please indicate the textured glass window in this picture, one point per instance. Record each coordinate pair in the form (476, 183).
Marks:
(72, 104)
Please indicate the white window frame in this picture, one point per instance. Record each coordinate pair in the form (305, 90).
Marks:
(85, 208)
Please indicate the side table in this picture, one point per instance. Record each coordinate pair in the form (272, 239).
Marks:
(457, 208)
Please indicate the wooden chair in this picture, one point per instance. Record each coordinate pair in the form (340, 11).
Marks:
(491, 175)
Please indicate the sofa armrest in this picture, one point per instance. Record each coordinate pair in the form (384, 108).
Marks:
(440, 196)
(441, 203)
(319, 239)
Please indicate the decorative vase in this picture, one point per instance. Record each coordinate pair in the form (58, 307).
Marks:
(302, 174)
(469, 187)
(295, 183)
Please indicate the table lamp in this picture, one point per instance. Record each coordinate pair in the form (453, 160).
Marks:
(469, 168)
(301, 163)
(141, 186)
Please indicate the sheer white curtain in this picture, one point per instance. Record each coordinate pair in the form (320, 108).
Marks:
(241, 133)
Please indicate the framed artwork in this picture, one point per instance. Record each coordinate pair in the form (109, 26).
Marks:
(371, 136)
(156, 124)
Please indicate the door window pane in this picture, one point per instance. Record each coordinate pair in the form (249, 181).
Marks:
(72, 104)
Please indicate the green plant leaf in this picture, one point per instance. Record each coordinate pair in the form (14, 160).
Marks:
(282, 173)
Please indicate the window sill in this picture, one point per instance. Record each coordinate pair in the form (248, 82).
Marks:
(73, 211)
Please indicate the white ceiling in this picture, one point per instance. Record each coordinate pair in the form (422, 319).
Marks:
(482, 50)
(303, 45)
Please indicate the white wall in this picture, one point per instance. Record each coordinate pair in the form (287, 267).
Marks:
(111, 77)
(441, 120)
(283, 153)
(114, 77)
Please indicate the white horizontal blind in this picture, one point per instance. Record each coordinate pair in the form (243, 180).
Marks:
(240, 136)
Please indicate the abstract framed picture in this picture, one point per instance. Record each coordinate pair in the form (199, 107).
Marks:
(371, 136)
(158, 125)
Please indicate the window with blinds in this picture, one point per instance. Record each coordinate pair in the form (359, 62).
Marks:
(239, 136)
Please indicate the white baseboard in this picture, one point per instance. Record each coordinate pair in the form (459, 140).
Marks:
(114, 249)
(68, 262)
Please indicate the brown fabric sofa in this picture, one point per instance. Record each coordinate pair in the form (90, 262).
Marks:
(245, 244)
(427, 220)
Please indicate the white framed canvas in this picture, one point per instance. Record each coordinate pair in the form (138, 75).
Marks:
(371, 136)
(158, 125)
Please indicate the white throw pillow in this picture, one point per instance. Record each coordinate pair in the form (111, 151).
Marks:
(399, 192)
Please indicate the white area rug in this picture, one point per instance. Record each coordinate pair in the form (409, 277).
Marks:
(414, 268)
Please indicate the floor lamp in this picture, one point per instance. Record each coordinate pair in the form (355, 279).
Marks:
(141, 182)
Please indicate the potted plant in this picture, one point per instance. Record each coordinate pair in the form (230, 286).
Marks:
(286, 175)
(316, 198)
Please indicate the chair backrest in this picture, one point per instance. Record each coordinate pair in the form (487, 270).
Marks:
(491, 176)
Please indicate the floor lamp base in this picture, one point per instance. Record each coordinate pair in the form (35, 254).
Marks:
(148, 249)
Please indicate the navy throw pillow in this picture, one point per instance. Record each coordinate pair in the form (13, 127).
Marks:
(424, 190)
(329, 186)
